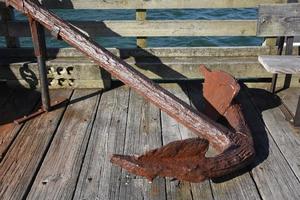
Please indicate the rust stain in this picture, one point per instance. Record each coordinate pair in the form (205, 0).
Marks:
(185, 160)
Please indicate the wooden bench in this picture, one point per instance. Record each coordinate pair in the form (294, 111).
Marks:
(281, 21)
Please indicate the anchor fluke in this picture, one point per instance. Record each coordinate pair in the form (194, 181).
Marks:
(179, 159)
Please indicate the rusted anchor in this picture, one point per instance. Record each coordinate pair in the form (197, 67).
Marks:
(184, 160)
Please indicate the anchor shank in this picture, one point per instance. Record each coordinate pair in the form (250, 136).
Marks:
(173, 106)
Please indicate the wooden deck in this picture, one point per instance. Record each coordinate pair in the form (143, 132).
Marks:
(65, 154)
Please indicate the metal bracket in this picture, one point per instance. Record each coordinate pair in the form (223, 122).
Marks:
(55, 32)
(42, 110)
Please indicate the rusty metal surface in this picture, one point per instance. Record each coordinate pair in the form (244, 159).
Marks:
(55, 104)
(235, 146)
(185, 160)
(39, 44)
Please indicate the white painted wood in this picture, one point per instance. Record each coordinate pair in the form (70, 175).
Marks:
(281, 64)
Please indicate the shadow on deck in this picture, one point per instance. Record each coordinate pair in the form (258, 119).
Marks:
(65, 153)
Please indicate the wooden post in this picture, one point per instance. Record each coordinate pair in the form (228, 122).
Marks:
(7, 14)
(141, 15)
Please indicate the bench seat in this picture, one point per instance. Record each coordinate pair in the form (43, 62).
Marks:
(281, 64)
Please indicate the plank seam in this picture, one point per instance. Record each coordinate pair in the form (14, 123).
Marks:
(88, 141)
(13, 140)
(256, 186)
(125, 134)
(45, 152)
(162, 143)
(271, 136)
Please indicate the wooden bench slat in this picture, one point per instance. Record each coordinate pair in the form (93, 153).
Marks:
(279, 20)
(281, 64)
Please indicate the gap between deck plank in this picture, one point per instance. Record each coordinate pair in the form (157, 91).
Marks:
(172, 131)
(59, 172)
(23, 159)
(272, 173)
(20, 102)
(285, 136)
(99, 179)
(143, 133)
(290, 98)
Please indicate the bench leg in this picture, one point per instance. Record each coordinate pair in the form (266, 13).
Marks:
(297, 115)
(273, 84)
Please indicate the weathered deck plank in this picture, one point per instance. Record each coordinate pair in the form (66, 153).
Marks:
(143, 133)
(289, 98)
(272, 173)
(18, 168)
(172, 131)
(99, 179)
(58, 174)
(286, 137)
(239, 187)
(19, 102)
(133, 130)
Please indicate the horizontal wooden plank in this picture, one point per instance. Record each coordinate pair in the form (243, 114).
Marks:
(150, 28)
(281, 64)
(179, 52)
(154, 4)
(279, 20)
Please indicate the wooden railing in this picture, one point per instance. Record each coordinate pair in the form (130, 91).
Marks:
(241, 63)
(141, 27)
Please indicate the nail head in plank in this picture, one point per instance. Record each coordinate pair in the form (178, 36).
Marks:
(173, 131)
(143, 133)
(99, 178)
(58, 174)
(19, 104)
(272, 173)
(23, 159)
